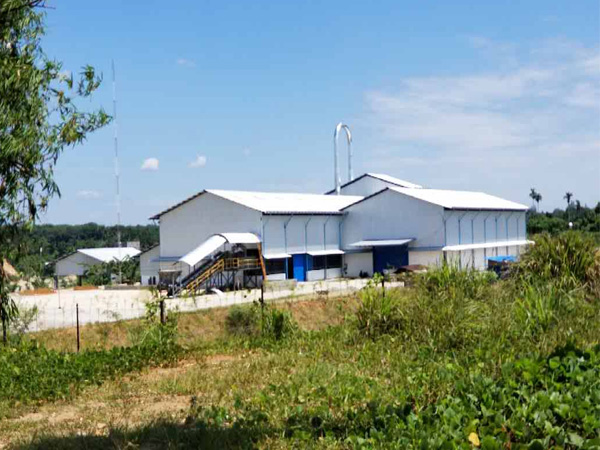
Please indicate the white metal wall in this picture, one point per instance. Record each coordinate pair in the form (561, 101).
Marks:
(365, 186)
(391, 215)
(75, 264)
(300, 234)
(475, 227)
(149, 268)
(186, 227)
(356, 263)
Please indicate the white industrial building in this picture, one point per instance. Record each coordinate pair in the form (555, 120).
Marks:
(376, 222)
(77, 263)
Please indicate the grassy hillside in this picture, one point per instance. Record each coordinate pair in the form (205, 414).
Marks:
(460, 360)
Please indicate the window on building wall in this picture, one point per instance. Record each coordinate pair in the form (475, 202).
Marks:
(318, 262)
(334, 261)
(275, 265)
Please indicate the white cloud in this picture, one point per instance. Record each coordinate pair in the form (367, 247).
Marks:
(539, 117)
(200, 161)
(150, 164)
(88, 195)
(186, 62)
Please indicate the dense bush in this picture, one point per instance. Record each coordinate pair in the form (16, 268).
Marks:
(243, 320)
(252, 321)
(449, 282)
(568, 261)
(379, 312)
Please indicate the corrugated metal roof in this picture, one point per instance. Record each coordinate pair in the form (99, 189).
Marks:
(278, 202)
(394, 180)
(203, 250)
(461, 199)
(460, 247)
(381, 242)
(288, 203)
(241, 238)
(387, 178)
(108, 254)
(276, 255)
(326, 252)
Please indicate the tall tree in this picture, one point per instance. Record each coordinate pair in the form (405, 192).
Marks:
(39, 118)
(568, 196)
(533, 195)
(538, 199)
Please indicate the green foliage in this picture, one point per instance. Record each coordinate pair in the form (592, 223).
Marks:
(583, 219)
(243, 321)
(252, 321)
(379, 312)
(449, 282)
(277, 324)
(29, 372)
(39, 118)
(567, 261)
(102, 274)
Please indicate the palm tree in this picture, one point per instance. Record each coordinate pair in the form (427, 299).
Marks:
(568, 196)
(538, 199)
(533, 195)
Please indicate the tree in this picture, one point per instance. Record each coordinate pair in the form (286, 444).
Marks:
(568, 196)
(533, 195)
(538, 199)
(39, 118)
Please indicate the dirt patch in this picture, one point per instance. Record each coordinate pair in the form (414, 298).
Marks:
(40, 291)
(220, 359)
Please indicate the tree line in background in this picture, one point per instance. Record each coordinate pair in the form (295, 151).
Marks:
(575, 215)
(46, 243)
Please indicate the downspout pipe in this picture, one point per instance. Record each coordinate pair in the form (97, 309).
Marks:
(336, 171)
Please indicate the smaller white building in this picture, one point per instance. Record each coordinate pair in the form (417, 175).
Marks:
(79, 262)
(150, 266)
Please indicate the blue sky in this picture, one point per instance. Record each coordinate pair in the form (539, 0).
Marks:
(491, 96)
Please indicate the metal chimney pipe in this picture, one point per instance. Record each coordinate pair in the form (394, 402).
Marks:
(337, 180)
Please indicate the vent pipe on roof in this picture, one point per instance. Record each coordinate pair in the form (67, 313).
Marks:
(337, 180)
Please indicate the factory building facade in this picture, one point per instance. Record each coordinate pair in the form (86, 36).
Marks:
(377, 223)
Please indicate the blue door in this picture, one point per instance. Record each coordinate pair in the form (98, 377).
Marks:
(299, 262)
(389, 256)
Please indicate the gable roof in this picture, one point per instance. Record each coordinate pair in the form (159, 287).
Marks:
(283, 203)
(455, 200)
(279, 202)
(462, 199)
(380, 176)
(107, 254)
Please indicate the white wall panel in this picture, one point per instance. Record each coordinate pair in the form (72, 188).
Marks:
(149, 268)
(391, 215)
(358, 262)
(425, 258)
(186, 227)
(75, 264)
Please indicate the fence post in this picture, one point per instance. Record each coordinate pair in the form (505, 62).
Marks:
(163, 319)
(383, 286)
(77, 319)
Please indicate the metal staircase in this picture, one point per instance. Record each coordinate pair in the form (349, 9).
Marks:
(207, 272)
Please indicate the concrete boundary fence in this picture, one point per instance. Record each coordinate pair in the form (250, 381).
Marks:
(59, 310)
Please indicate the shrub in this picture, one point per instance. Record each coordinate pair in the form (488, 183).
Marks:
(277, 324)
(253, 321)
(379, 312)
(243, 320)
(449, 282)
(568, 261)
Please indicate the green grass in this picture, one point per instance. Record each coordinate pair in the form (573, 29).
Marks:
(458, 361)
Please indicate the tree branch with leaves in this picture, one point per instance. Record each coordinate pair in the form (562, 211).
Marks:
(39, 119)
